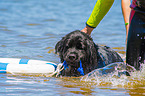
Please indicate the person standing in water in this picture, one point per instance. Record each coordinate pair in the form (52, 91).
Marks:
(135, 53)
(135, 27)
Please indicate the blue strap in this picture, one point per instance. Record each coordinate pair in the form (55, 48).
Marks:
(80, 69)
(24, 61)
(3, 67)
(65, 65)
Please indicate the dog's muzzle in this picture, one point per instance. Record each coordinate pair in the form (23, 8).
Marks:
(72, 57)
(80, 69)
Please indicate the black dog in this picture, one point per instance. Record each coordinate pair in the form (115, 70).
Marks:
(78, 47)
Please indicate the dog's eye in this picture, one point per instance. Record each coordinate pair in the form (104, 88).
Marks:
(79, 46)
(67, 47)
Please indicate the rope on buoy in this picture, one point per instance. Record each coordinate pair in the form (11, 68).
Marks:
(59, 68)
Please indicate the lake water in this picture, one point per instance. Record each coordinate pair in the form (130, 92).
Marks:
(30, 29)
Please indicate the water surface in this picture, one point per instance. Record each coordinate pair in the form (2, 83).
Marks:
(31, 28)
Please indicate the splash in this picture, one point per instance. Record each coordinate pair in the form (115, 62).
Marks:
(116, 75)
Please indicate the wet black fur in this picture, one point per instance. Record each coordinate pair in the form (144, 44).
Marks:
(77, 46)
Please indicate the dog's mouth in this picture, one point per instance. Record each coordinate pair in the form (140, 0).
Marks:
(73, 69)
(73, 60)
(73, 63)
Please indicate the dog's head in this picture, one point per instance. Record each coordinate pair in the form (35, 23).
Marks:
(74, 47)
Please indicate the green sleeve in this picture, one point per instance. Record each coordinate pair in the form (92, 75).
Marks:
(100, 10)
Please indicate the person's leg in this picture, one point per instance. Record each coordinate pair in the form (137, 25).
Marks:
(135, 40)
(143, 49)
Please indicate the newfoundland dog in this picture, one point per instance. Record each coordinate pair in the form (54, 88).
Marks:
(80, 55)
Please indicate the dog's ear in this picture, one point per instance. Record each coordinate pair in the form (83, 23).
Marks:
(59, 46)
(92, 53)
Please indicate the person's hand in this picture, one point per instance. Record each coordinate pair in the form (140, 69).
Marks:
(87, 30)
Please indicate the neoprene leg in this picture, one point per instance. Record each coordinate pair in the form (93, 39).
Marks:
(135, 42)
(143, 50)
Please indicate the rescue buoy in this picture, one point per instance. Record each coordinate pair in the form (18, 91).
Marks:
(16, 65)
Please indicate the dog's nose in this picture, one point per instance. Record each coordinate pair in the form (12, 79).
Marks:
(72, 57)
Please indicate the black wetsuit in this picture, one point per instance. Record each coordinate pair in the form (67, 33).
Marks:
(135, 54)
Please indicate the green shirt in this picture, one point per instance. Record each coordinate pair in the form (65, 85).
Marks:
(100, 10)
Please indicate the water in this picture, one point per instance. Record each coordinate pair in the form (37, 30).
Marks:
(31, 28)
